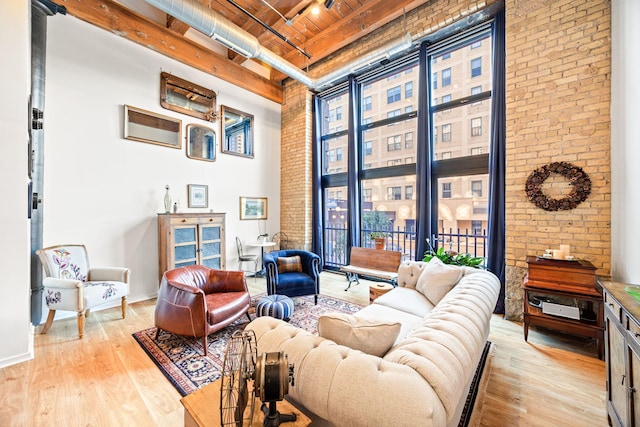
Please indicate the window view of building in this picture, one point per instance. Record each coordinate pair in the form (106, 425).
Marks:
(387, 148)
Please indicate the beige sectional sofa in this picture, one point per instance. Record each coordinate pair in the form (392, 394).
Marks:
(423, 378)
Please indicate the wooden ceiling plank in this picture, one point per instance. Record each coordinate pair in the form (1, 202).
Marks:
(111, 16)
(373, 15)
(176, 25)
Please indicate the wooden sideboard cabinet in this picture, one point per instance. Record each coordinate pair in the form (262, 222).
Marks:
(622, 354)
(191, 238)
(568, 284)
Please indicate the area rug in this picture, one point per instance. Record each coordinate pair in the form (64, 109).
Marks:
(181, 358)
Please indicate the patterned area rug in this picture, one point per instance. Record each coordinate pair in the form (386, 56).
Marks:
(181, 358)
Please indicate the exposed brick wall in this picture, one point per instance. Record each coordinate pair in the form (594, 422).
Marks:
(558, 100)
(295, 179)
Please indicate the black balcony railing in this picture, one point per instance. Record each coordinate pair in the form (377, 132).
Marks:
(402, 240)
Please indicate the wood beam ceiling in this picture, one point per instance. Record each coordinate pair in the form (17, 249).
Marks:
(118, 20)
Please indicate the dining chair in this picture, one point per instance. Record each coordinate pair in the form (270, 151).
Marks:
(245, 257)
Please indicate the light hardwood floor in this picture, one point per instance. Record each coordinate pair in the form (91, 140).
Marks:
(106, 379)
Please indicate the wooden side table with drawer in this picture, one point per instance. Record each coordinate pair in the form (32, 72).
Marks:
(571, 284)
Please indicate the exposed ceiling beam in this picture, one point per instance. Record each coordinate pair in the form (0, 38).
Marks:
(118, 20)
(352, 27)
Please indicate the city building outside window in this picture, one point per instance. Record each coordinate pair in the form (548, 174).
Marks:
(446, 133)
(408, 109)
(445, 155)
(394, 162)
(446, 56)
(332, 155)
(394, 193)
(368, 148)
(409, 160)
(408, 140)
(446, 190)
(366, 194)
(338, 113)
(476, 150)
(476, 188)
(394, 143)
(446, 77)
(476, 126)
(434, 80)
(408, 192)
(476, 227)
(393, 113)
(476, 67)
(339, 153)
(366, 103)
(393, 95)
(476, 45)
(408, 89)
(446, 98)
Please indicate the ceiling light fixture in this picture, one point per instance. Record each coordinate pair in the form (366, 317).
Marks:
(315, 9)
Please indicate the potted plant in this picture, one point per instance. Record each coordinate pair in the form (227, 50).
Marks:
(452, 257)
(379, 238)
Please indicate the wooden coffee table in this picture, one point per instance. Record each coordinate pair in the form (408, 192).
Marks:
(377, 289)
(202, 409)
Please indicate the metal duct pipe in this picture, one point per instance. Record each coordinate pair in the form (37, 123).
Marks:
(377, 55)
(40, 10)
(205, 20)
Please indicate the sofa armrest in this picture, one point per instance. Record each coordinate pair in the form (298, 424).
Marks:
(181, 309)
(114, 274)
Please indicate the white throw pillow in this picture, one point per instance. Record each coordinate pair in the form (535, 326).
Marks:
(369, 336)
(437, 279)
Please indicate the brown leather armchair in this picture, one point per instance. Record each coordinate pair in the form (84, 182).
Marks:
(196, 301)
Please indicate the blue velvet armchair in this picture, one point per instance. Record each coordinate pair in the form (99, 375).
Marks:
(287, 277)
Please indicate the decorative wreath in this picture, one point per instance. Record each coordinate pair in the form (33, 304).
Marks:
(576, 176)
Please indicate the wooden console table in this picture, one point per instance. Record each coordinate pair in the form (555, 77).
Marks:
(571, 282)
(202, 409)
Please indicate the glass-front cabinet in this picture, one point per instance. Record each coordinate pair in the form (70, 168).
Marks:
(191, 238)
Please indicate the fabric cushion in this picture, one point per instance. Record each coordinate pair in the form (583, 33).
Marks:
(289, 264)
(437, 279)
(278, 306)
(369, 336)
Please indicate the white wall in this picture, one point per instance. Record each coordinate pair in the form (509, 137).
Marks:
(15, 42)
(105, 191)
(625, 141)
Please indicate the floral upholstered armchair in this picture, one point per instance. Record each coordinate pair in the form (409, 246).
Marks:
(71, 285)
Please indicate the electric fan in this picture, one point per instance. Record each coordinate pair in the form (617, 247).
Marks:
(246, 376)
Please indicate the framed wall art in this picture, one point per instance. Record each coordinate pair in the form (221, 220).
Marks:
(253, 207)
(201, 143)
(146, 126)
(198, 196)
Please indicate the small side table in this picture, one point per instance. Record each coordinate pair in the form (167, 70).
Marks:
(202, 409)
(377, 289)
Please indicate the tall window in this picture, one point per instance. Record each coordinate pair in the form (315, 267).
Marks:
(387, 143)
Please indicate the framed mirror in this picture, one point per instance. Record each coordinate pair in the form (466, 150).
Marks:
(236, 129)
(145, 126)
(180, 95)
(201, 143)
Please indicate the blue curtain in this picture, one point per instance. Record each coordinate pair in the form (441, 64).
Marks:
(316, 164)
(353, 157)
(425, 219)
(496, 228)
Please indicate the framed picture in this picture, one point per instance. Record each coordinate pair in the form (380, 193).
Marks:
(253, 207)
(145, 126)
(198, 196)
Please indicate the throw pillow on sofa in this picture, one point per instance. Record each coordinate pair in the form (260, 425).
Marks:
(437, 279)
(368, 336)
(289, 264)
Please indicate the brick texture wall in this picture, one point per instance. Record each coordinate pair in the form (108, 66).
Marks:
(558, 100)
